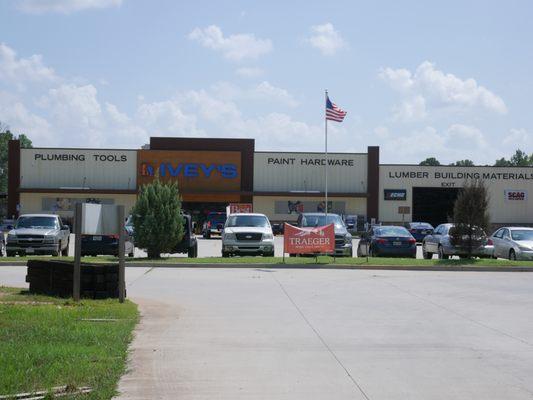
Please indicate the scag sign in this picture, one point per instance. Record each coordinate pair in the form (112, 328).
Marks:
(195, 171)
(515, 195)
(309, 240)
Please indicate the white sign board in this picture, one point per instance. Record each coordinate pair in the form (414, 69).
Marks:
(98, 219)
(515, 195)
(43, 168)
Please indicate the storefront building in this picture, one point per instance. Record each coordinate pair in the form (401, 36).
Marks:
(54, 180)
(286, 184)
(423, 193)
(211, 173)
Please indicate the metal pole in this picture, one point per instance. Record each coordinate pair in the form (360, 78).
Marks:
(326, 156)
(121, 256)
(76, 276)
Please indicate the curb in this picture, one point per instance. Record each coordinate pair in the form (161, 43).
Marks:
(453, 268)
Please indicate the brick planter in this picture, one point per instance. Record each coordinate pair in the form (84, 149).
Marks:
(98, 281)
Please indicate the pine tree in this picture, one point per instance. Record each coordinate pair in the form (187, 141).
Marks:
(157, 219)
(471, 217)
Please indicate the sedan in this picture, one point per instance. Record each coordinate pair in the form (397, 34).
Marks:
(514, 243)
(419, 230)
(387, 241)
(441, 242)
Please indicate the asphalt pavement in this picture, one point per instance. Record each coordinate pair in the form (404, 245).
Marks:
(262, 333)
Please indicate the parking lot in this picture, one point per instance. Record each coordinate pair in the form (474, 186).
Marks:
(213, 248)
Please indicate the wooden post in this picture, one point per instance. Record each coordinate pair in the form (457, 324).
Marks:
(76, 276)
(121, 256)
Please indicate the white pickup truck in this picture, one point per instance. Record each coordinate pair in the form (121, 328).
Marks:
(38, 234)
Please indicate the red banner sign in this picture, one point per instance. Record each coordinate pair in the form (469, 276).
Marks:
(240, 208)
(309, 240)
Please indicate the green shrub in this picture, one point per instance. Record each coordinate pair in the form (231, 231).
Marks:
(157, 220)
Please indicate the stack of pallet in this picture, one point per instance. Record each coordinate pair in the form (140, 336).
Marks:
(98, 281)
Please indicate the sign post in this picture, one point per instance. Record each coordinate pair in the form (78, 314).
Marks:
(121, 256)
(76, 276)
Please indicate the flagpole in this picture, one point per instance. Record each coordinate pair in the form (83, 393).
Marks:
(326, 154)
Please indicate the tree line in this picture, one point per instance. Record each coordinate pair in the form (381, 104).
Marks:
(518, 159)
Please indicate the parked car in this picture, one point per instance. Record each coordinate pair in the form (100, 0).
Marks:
(214, 224)
(93, 245)
(343, 238)
(351, 223)
(7, 225)
(38, 234)
(278, 228)
(247, 234)
(419, 230)
(389, 241)
(440, 243)
(188, 243)
(514, 243)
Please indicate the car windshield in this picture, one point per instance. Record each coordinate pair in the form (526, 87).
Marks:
(522, 234)
(247, 220)
(37, 223)
(320, 220)
(421, 225)
(391, 231)
(217, 218)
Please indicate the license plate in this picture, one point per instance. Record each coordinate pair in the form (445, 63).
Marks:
(396, 243)
(424, 232)
(97, 238)
(30, 250)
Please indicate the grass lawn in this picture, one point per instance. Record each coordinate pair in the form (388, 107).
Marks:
(297, 260)
(45, 342)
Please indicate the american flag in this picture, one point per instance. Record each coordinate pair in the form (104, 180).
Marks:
(333, 112)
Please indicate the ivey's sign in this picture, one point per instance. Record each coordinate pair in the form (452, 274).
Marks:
(194, 170)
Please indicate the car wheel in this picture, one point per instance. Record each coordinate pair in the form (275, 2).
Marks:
(442, 255)
(425, 254)
(3, 249)
(225, 254)
(372, 252)
(64, 252)
(57, 252)
(512, 255)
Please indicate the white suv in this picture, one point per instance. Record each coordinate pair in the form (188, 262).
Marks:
(247, 234)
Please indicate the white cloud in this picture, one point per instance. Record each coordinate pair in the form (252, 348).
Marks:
(64, 6)
(21, 120)
(266, 91)
(234, 47)
(465, 136)
(20, 71)
(440, 89)
(326, 39)
(412, 109)
(518, 138)
(250, 72)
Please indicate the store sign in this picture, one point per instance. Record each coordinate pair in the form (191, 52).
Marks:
(194, 171)
(308, 240)
(43, 168)
(515, 195)
(395, 194)
(291, 207)
(235, 208)
(189, 170)
(403, 210)
(488, 174)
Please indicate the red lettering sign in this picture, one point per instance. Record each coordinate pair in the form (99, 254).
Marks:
(240, 208)
(309, 240)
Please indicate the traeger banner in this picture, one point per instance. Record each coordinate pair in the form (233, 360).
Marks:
(308, 240)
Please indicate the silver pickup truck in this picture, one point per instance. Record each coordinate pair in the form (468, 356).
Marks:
(38, 234)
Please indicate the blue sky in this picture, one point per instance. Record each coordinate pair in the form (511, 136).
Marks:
(445, 79)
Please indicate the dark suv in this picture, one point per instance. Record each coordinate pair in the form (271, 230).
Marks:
(214, 224)
(343, 239)
(188, 243)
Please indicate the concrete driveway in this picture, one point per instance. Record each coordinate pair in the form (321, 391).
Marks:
(319, 334)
